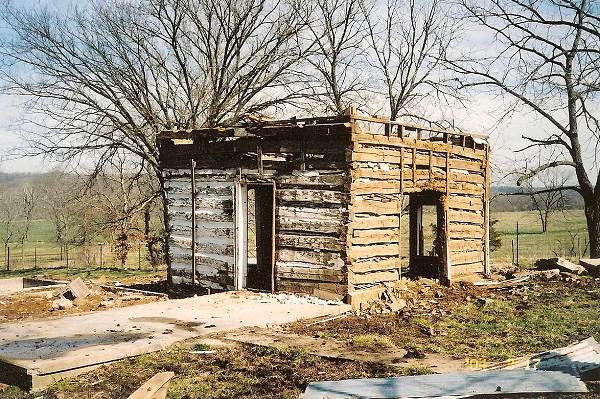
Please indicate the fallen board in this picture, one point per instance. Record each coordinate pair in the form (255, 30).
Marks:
(155, 388)
(576, 359)
(442, 385)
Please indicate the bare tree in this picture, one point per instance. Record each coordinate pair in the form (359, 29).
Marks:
(26, 217)
(546, 194)
(110, 76)
(337, 32)
(8, 218)
(408, 41)
(115, 195)
(547, 61)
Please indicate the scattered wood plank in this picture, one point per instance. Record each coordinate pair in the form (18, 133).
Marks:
(155, 388)
(562, 264)
(591, 265)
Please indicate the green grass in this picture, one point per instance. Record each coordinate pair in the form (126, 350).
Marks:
(565, 229)
(371, 342)
(105, 274)
(41, 250)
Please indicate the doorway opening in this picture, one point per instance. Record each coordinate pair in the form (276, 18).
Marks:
(254, 266)
(427, 232)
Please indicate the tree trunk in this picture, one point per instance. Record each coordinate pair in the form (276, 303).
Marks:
(592, 216)
(165, 206)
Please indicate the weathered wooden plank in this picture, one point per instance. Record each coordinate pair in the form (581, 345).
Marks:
(465, 216)
(310, 273)
(375, 236)
(376, 207)
(369, 251)
(420, 144)
(308, 212)
(332, 260)
(333, 290)
(314, 242)
(323, 226)
(373, 277)
(459, 258)
(311, 196)
(462, 245)
(373, 222)
(465, 202)
(375, 264)
(325, 178)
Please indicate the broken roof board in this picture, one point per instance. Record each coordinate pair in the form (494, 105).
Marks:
(447, 385)
(578, 358)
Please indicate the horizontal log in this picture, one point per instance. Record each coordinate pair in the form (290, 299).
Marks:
(465, 216)
(373, 222)
(331, 260)
(310, 273)
(462, 245)
(311, 196)
(467, 268)
(314, 242)
(465, 202)
(314, 178)
(368, 251)
(373, 277)
(460, 258)
(375, 265)
(376, 207)
(408, 142)
(330, 226)
(375, 236)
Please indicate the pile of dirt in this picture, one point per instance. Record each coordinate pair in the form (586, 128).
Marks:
(42, 304)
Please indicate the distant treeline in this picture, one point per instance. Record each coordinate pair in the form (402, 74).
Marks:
(503, 202)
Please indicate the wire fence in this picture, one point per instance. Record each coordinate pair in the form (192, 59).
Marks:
(40, 255)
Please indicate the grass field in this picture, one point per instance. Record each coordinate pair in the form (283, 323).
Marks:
(41, 250)
(566, 236)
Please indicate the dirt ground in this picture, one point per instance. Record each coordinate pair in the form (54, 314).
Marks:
(38, 304)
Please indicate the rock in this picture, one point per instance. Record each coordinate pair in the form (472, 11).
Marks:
(106, 303)
(591, 265)
(61, 304)
(562, 264)
(397, 305)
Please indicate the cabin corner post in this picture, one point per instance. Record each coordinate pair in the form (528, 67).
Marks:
(486, 226)
(193, 217)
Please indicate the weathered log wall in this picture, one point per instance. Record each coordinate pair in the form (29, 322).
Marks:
(386, 168)
(311, 206)
(215, 241)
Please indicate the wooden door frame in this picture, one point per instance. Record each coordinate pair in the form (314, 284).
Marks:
(241, 232)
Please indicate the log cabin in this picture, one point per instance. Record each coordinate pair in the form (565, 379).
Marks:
(315, 205)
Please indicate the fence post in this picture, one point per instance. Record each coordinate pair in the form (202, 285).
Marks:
(35, 257)
(139, 256)
(517, 243)
(8, 258)
(67, 254)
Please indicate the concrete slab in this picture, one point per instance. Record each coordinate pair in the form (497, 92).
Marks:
(36, 353)
(14, 285)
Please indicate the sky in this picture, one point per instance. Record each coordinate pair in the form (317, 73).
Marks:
(480, 116)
